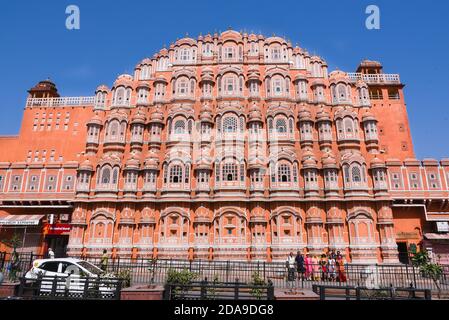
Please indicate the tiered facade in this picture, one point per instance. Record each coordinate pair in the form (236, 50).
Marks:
(230, 146)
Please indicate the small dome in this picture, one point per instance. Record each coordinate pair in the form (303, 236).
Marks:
(299, 77)
(304, 114)
(157, 116)
(96, 119)
(102, 88)
(133, 162)
(160, 79)
(368, 116)
(308, 159)
(206, 114)
(139, 117)
(323, 115)
(86, 165)
(152, 161)
(143, 84)
(125, 80)
(377, 163)
(329, 161)
(254, 113)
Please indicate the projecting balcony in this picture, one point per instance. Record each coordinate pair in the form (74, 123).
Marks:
(231, 95)
(232, 240)
(375, 78)
(60, 102)
(287, 241)
(82, 187)
(137, 139)
(302, 97)
(106, 188)
(279, 96)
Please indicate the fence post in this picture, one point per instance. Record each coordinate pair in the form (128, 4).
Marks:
(53, 287)
(118, 290)
(358, 295)
(322, 293)
(264, 270)
(270, 291)
(428, 294)
(21, 287)
(414, 277)
(167, 291)
(227, 271)
(86, 288)
(236, 289)
(203, 289)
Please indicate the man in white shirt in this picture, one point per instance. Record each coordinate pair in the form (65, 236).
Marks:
(291, 270)
(51, 254)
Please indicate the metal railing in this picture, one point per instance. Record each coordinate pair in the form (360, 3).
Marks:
(60, 102)
(70, 288)
(363, 293)
(381, 78)
(145, 270)
(206, 290)
(156, 271)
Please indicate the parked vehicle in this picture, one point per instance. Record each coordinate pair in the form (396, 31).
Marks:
(69, 276)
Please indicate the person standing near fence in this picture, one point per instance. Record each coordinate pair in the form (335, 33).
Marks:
(323, 267)
(300, 265)
(290, 264)
(331, 268)
(309, 266)
(341, 267)
(104, 261)
(51, 253)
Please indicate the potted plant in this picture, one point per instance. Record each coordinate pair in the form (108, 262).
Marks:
(9, 288)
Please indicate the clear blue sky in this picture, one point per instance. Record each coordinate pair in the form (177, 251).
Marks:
(115, 35)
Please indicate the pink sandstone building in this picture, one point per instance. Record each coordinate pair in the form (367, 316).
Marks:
(229, 146)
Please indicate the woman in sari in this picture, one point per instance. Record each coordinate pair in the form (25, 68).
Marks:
(341, 268)
(323, 267)
(309, 267)
(316, 269)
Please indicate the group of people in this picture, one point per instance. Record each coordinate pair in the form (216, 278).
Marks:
(328, 267)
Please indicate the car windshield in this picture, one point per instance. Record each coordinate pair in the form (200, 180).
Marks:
(90, 267)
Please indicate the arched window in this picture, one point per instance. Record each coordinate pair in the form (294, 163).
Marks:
(356, 174)
(230, 172)
(281, 125)
(284, 174)
(176, 174)
(106, 175)
(185, 54)
(113, 129)
(349, 125)
(180, 127)
(342, 93)
(115, 176)
(182, 87)
(120, 96)
(230, 124)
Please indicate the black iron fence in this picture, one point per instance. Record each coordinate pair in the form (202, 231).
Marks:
(70, 288)
(364, 293)
(16, 267)
(156, 271)
(401, 276)
(206, 290)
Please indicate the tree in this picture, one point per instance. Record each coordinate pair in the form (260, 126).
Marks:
(428, 268)
(14, 265)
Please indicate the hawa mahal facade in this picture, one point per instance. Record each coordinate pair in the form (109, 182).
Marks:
(228, 146)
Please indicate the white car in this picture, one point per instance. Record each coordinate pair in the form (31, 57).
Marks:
(71, 274)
